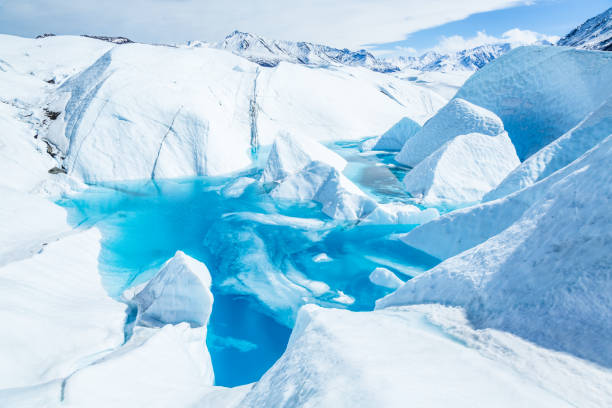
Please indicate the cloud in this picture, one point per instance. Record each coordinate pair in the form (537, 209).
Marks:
(514, 36)
(342, 23)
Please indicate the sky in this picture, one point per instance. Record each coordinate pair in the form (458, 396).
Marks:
(382, 26)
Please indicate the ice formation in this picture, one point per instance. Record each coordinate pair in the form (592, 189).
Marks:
(462, 170)
(517, 281)
(458, 117)
(386, 278)
(180, 292)
(395, 138)
(340, 198)
(540, 93)
(559, 153)
(290, 154)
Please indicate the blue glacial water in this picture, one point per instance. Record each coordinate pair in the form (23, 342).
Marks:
(261, 253)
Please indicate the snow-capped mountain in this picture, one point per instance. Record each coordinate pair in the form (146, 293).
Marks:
(593, 34)
(471, 59)
(269, 53)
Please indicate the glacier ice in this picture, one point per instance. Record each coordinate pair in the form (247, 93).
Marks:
(55, 313)
(290, 154)
(540, 92)
(339, 197)
(427, 356)
(386, 278)
(519, 282)
(559, 153)
(458, 117)
(396, 136)
(462, 170)
(180, 292)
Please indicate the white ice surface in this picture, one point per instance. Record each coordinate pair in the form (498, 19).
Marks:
(291, 154)
(396, 136)
(462, 170)
(179, 292)
(561, 152)
(541, 92)
(386, 278)
(339, 197)
(420, 356)
(162, 367)
(55, 314)
(458, 117)
(546, 277)
(399, 213)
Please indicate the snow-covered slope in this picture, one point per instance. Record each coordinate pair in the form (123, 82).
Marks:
(269, 53)
(56, 317)
(540, 93)
(185, 112)
(593, 34)
(545, 278)
(420, 356)
(470, 59)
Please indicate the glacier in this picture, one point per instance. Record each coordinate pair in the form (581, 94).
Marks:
(198, 226)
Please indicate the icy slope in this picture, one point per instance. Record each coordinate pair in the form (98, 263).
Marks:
(396, 136)
(185, 112)
(165, 361)
(540, 93)
(462, 170)
(545, 278)
(56, 316)
(593, 34)
(559, 153)
(458, 117)
(419, 356)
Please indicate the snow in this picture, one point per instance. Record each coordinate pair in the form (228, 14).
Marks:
(458, 117)
(269, 53)
(546, 277)
(540, 93)
(590, 131)
(593, 34)
(385, 278)
(462, 170)
(395, 138)
(419, 356)
(290, 154)
(55, 314)
(180, 292)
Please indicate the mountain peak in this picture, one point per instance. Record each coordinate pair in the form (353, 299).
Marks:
(593, 34)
